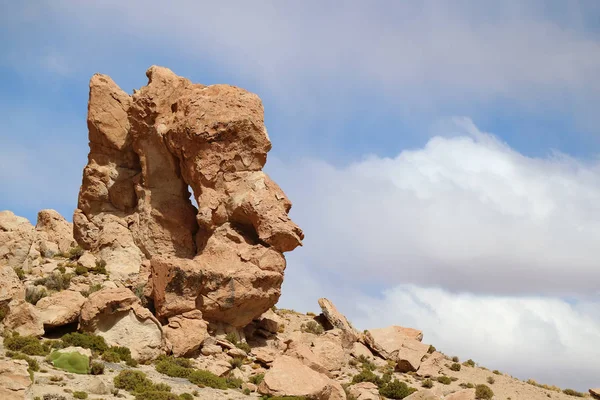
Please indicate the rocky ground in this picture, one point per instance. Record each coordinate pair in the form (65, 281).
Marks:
(145, 296)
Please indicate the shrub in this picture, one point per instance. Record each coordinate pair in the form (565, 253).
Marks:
(455, 367)
(427, 383)
(467, 385)
(97, 368)
(312, 327)
(243, 346)
(100, 267)
(483, 392)
(74, 253)
(81, 270)
(56, 281)
(257, 379)
(367, 375)
(3, 313)
(20, 273)
(496, 372)
(186, 396)
(54, 397)
(33, 294)
(232, 337)
(469, 363)
(490, 380)
(71, 362)
(236, 362)
(366, 363)
(32, 362)
(246, 391)
(444, 379)
(396, 390)
(431, 349)
(571, 392)
(206, 378)
(111, 357)
(29, 345)
(174, 367)
(455, 359)
(137, 382)
(85, 340)
(80, 395)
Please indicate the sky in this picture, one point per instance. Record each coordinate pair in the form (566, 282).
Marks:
(442, 157)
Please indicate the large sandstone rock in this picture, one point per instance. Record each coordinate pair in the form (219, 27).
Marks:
(338, 320)
(16, 237)
(289, 377)
(595, 393)
(24, 319)
(11, 287)
(118, 316)
(54, 233)
(60, 308)
(146, 152)
(186, 332)
(432, 366)
(14, 380)
(398, 344)
(364, 391)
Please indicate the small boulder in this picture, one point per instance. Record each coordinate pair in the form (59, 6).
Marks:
(465, 394)
(423, 395)
(432, 366)
(54, 233)
(24, 319)
(338, 320)
(60, 308)
(364, 391)
(16, 237)
(11, 287)
(270, 321)
(290, 377)
(14, 380)
(398, 344)
(186, 332)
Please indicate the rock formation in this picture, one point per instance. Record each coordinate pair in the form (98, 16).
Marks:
(223, 258)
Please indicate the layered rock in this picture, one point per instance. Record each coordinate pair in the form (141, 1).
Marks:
(398, 344)
(146, 151)
(119, 317)
(14, 380)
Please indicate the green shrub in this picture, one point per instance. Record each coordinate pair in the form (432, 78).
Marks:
(312, 327)
(186, 396)
(469, 363)
(174, 367)
(444, 379)
(20, 273)
(467, 385)
(396, 390)
(97, 368)
(32, 362)
(29, 345)
(244, 346)
(367, 375)
(156, 395)
(85, 340)
(431, 349)
(455, 367)
(74, 362)
(232, 337)
(483, 392)
(455, 359)
(496, 372)
(427, 383)
(246, 391)
(571, 392)
(80, 395)
(366, 363)
(75, 252)
(236, 362)
(137, 382)
(56, 281)
(490, 380)
(81, 270)
(111, 357)
(100, 267)
(257, 379)
(33, 294)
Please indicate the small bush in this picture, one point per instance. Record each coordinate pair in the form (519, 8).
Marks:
(134, 382)
(496, 372)
(20, 273)
(232, 337)
(396, 390)
(32, 362)
(367, 375)
(312, 327)
(427, 383)
(366, 363)
(571, 392)
(29, 345)
(455, 367)
(444, 379)
(469, 363)
(81, 270)
(246, 391)
(208, 379)
(490, 380)
(467, 385)
(56, 281)
(156, 395)
(33, 294)
(74, 362)
(111, 357)
(236, 362)
(48, 396)
(244, 346)
(257, 379)
(80, 395)
(97, 368)
(174, 367)
(85, 340)
(74, 253)
(483, 392)
(431, 349)
(455, 359)
(100, 267)
(186, 396)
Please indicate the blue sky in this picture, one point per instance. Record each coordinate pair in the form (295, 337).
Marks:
(427, 146)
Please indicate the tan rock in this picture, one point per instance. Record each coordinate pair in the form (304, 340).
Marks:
(270, 321)
(186, 332)
(330, 353)
(235, 352)
(423, 395)
(289, 377)
(60, 308)
(304, 354)
(364, 391)
(53, 232)
(118, 316)
(595, 393)
(210, 346)
(359, 349)
(88, 260)
(432, 366)
(24, 319)
(146, 151)
(11, 287)
(16, 237)
(338, 320)
(14, 380)
(465, 394)
(398, 344)
(264, 355)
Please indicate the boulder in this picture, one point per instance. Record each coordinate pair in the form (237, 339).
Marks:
(186, 332)
(398, 344)
(264, 355)
(24, 319)
(54, 234)
(465, 394)
(304, 354)
(364, 391)
(423, 395)
(14, 380)
(210, 346)
(60, 308)
(330, 353)
(270, 321)
(11, 287)
(224, 258)
(289, 377)
(118, 316)
(595, 393)
(338, 320)
(359, 349)
(16, 237)
(432, 366)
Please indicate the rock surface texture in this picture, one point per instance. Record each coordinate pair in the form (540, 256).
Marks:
(147, 150)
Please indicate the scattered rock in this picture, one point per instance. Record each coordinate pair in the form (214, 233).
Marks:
(289, 377)
(60, 308)
(118, 316)
(186, 332)
(14, 380)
